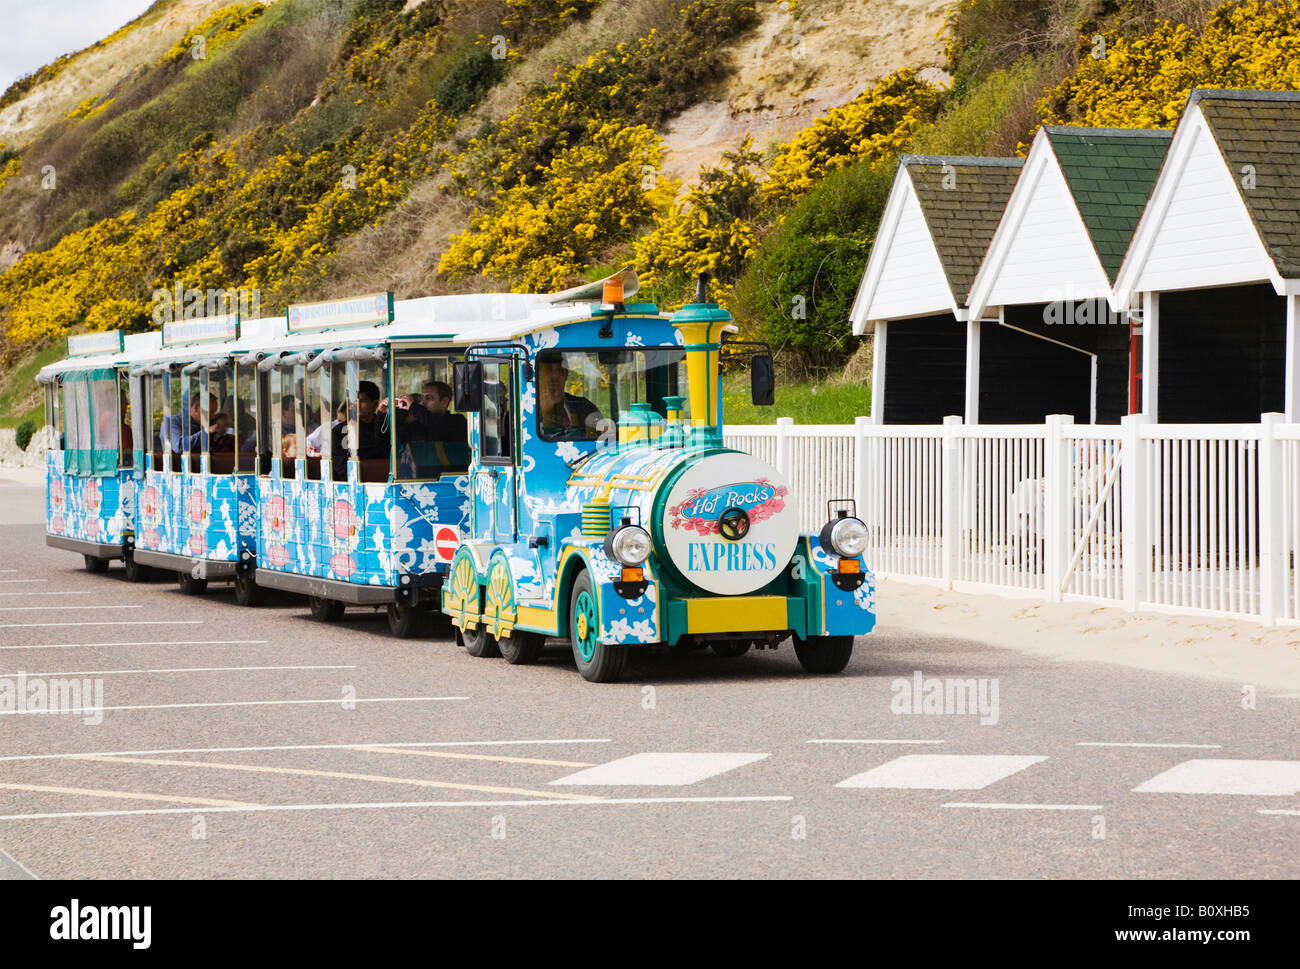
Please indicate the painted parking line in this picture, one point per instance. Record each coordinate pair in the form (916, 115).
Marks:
(11, 869)
(941, 772)
(241, 750)
(1022, 807)
(490, 757)
(63, 608)
(872, 741)
(391, 805)
(125, 795)
(181, 669)
(1266, 778)
(665, 769)
(87, 592)
(1289, 812)
(1104, 743)
(107, 622)
(237, 703)
(175, 642)
(17, 581)
(336, 775)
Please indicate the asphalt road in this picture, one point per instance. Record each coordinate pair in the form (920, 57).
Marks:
(259, 743)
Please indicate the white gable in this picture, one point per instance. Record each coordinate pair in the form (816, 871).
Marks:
(1196, 231)
(904, 276)
(1041, 251)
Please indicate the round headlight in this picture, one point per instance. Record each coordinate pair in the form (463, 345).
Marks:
(628, 544)
(848, 537)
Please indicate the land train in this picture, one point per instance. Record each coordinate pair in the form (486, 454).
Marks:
(522, 466)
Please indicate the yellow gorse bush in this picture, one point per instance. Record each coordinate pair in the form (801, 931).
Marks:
(219, 28)
(879, 122)
(1143, 82)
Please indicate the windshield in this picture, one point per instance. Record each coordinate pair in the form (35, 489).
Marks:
(582, 393)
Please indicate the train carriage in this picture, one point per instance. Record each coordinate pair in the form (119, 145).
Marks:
(606, 509)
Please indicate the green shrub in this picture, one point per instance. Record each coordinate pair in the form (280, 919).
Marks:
(23, 435)
(798, 290)
(467, 82)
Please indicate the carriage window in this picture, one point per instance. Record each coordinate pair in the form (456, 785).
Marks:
(220, 420)
(245, 407)
(372, 421)
(177, 419)
(432, 438)
(157, 394)
(581, 393)
(308, 385)
(497, 416)
(53, 416)
(284, 426)
(125, 439)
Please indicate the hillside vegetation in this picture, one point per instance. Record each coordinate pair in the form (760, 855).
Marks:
(308, 148)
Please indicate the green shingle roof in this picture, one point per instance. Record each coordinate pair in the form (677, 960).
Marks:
(962, 212)
(1111, 172)
(1262, 129)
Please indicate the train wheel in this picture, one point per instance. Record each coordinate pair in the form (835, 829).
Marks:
(824, 654)
(190, 585)
(405, 621)
(478, 642)
(729, 647)
(94, 564)
(521, 648)
(326, 610)
(598, 662)
(136, 572)
(247, 592)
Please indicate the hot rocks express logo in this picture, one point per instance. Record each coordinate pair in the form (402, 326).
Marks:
(700, 511)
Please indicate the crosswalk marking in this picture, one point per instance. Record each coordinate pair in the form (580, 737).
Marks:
(660, 770)
(1259, 777)
(941, 772)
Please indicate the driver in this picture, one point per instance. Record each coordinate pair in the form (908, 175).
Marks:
(561, 415)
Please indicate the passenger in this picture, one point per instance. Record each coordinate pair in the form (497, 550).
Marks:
(561, 415)
(372, 427)
(179, 440)
(222, 436)
(287, 421)
(289, 447)
(427, 416)
(316, 437)
(124, 431)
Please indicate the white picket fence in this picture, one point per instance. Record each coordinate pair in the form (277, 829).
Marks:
(1180, 517)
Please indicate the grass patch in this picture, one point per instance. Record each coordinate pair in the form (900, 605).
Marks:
(20, 398)
(810, 402)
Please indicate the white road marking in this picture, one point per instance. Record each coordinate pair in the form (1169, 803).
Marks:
(16, 581)
(876, 741)
(120, 622)
(183, 669)
(660, 769)
(70, 593)
(941, 772)
(492, 757)
(8, 859)
(1024, 807)
(1287, 811)
(1259, 777)
(62, 608)
(239, 703)
(370, 806)
(124, 795)
(179, 642)
(237, 750)
(1103, 743)
(338, 775)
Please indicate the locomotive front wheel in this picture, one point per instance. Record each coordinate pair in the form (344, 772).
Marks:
(521, 648)
(405, 621)
(729, 647)
(94, 564)
(478, 642)
(824, 654)
(326, 610)
(247, 592)
(190, 585)
(598, 662)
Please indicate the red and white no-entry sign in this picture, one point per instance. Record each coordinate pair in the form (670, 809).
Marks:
(446, 542)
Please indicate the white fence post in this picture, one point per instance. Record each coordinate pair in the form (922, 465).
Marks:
(950, 496)
(1135, 543)
(1056, 502)
(861, 469)
(1272, 543)
(783, 446)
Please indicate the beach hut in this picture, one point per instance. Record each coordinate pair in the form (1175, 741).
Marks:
(940, 215)
(1044, 337)
(1214, 266)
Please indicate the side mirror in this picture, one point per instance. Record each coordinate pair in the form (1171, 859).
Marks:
(762, 380)
(467, 385)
